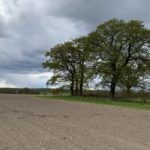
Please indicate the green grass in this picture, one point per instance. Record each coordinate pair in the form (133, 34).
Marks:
(95, 100)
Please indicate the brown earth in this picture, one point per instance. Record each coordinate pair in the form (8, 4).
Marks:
(29, 123)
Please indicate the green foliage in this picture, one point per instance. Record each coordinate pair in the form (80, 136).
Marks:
(61, 62)
(68, 63)
(117, 51)
(116, 45)
(133, 76)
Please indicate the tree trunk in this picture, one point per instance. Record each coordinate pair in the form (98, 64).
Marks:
(113, 87)
(81, 89)
(81, 78)
(77, 87)
(81, 85)
(72, 87)
(128, 90)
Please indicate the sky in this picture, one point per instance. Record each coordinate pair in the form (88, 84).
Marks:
(28, 28)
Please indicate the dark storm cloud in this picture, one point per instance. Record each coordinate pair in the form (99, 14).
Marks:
(25, 62)
(30, 31)
(94, 12)
(91, 12)
(29, 27)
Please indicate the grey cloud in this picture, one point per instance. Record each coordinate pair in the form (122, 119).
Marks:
(30, 33)
(97, 11)
(29, 27)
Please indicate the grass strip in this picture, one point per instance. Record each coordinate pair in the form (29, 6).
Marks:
(102, 101)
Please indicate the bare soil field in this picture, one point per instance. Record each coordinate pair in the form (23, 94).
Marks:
(30, 123)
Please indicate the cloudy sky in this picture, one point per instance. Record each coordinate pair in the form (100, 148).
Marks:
(30, 27)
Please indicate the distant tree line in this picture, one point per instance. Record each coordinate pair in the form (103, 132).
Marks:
(36, 91)
(117, 53)
(19, 91)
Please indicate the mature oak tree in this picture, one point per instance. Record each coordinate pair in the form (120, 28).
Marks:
(115, 44)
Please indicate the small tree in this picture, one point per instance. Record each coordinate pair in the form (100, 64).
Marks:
(83, 53)
(63, 64)
(68, 62)
(133, 75)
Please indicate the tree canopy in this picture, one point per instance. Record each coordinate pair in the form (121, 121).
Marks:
(68, 63)
(117, 51)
